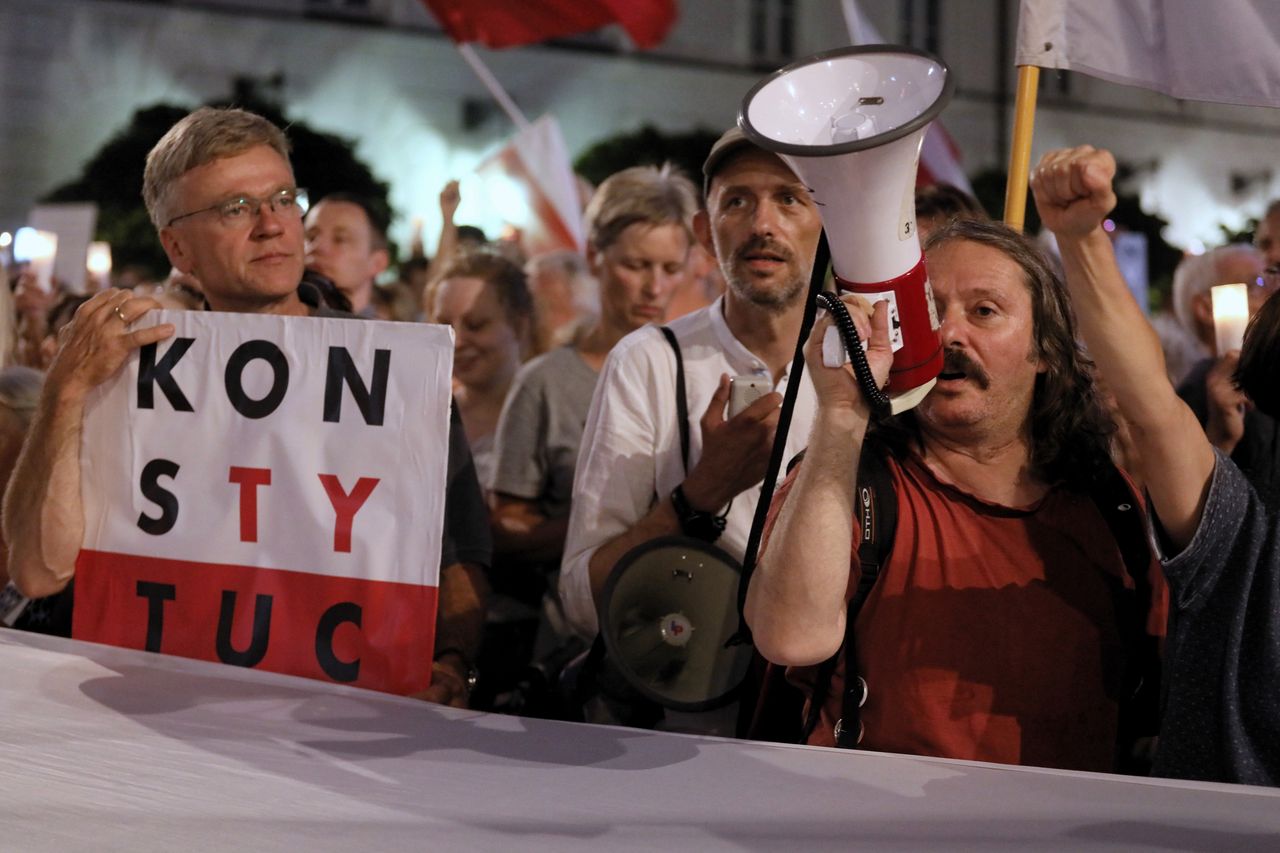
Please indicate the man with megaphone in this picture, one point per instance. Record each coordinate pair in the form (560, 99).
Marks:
(1003, 625)
(633, 483)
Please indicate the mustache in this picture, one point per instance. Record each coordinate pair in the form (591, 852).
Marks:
(761, 244)
(958, 361)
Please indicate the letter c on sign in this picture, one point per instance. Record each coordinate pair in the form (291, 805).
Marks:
(338, 670)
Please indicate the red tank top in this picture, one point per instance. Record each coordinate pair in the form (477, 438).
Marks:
(991, 634)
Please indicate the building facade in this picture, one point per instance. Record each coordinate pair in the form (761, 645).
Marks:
(380, 72)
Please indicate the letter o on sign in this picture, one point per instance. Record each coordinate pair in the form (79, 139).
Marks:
(234, 378)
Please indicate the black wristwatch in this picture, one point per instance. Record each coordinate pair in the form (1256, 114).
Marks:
(696, 523)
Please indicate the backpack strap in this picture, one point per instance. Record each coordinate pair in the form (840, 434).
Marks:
(878, 517)
(682, 403)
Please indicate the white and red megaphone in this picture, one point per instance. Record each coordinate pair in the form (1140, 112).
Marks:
(850, 124)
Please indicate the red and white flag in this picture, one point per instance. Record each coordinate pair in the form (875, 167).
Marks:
(530, 183)
(269, 492)
(510, 23)
(939, 155)
(1226, 50)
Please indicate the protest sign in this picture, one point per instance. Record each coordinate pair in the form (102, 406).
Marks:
(269, 492)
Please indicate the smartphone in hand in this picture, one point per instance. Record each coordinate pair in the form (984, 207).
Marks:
(745, 390)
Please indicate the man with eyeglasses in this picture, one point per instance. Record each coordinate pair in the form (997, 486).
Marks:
(221, 192)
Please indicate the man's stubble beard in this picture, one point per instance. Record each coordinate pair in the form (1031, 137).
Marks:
(770, 297)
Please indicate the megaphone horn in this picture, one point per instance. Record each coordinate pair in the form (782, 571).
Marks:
(850, 124)
(670, 607)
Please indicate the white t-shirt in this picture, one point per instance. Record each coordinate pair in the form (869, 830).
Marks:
(630, 454)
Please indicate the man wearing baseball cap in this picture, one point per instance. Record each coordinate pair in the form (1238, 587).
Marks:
(632, 484)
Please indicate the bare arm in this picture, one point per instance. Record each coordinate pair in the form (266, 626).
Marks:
(1073, 193)
(796, 599)
(450, 198)
(1226, 404)
(459, 625)
(43, 516)
(523, 533)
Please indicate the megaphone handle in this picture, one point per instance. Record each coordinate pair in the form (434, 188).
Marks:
(853, 344)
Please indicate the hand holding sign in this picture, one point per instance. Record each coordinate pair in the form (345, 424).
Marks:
(97, 341)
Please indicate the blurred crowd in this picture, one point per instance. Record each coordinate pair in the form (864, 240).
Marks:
(591, 434)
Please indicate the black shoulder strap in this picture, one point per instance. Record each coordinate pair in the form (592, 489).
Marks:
(1141, 701)
(878, 516)
(1119, 507)
(682, 404)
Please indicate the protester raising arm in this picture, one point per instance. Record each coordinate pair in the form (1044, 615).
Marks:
(43, 515)
(1073, 193)
(796, 600)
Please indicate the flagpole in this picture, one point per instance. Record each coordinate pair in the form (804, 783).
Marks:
(495, 88)
(1024, 120)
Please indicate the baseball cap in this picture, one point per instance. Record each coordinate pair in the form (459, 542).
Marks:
(730, 142)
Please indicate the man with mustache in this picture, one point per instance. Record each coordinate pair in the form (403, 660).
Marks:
(995, 630)
(221, 193)
(632, 484)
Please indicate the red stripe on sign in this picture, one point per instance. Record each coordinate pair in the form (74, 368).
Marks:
(374, 634)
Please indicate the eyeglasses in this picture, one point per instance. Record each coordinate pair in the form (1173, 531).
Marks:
(241, 210)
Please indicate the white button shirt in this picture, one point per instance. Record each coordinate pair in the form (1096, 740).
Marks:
(630, 453)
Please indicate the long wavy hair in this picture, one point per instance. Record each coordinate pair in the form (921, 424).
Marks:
(1070, 426)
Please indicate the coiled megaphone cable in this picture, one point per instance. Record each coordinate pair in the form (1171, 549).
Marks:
(853, 345)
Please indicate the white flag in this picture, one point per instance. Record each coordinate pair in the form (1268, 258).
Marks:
(1225, 50)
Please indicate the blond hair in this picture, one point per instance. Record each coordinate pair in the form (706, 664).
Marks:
(205, 135)
(642, 194)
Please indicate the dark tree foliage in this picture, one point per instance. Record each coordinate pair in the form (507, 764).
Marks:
(1244, 235)
(112, 178)
(647, 146)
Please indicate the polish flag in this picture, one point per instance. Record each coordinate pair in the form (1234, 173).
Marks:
(940, 155)
(511, 23)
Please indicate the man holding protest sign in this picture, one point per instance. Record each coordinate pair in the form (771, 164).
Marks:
(221, 192)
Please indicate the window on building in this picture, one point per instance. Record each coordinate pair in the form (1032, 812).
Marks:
(1056, 84)
(920, 22)
(773, 31)
(346, 8)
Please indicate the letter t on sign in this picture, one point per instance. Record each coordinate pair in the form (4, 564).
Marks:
(249, 480)
(345, 506)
